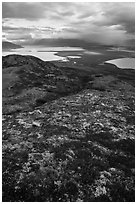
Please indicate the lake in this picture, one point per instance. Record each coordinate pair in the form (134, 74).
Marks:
(123, 63)
(46, 54)
(52, 53)
(76, 55)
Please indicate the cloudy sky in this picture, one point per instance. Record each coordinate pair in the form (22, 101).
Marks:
(103, 23)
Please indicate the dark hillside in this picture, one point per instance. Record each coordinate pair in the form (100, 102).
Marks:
(8, 45)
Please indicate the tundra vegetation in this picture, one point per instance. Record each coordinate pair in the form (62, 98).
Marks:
(68, 134)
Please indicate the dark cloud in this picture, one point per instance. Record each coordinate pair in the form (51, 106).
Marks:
(19, 37)
(88, 22)
(119, 14)
(66, 13)
(34, 11)
(60, 42)
(71, 30)
(22, 10)
(84, 15)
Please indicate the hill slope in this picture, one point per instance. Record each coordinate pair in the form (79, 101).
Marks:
(68, 134)
(8, 45)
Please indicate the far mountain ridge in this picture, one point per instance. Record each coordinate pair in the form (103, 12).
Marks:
(70, 42)
(9, 45)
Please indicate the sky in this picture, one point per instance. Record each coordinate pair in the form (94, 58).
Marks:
(81, 23)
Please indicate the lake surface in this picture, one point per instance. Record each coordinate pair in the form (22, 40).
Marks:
(51, 53)
(92, 53)
(121, 50)
(73, 54)
(46, 54)
(123, 63)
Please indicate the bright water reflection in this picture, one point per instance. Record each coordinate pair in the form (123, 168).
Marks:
(123, 63)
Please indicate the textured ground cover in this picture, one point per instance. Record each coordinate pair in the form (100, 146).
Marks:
(77, 145)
